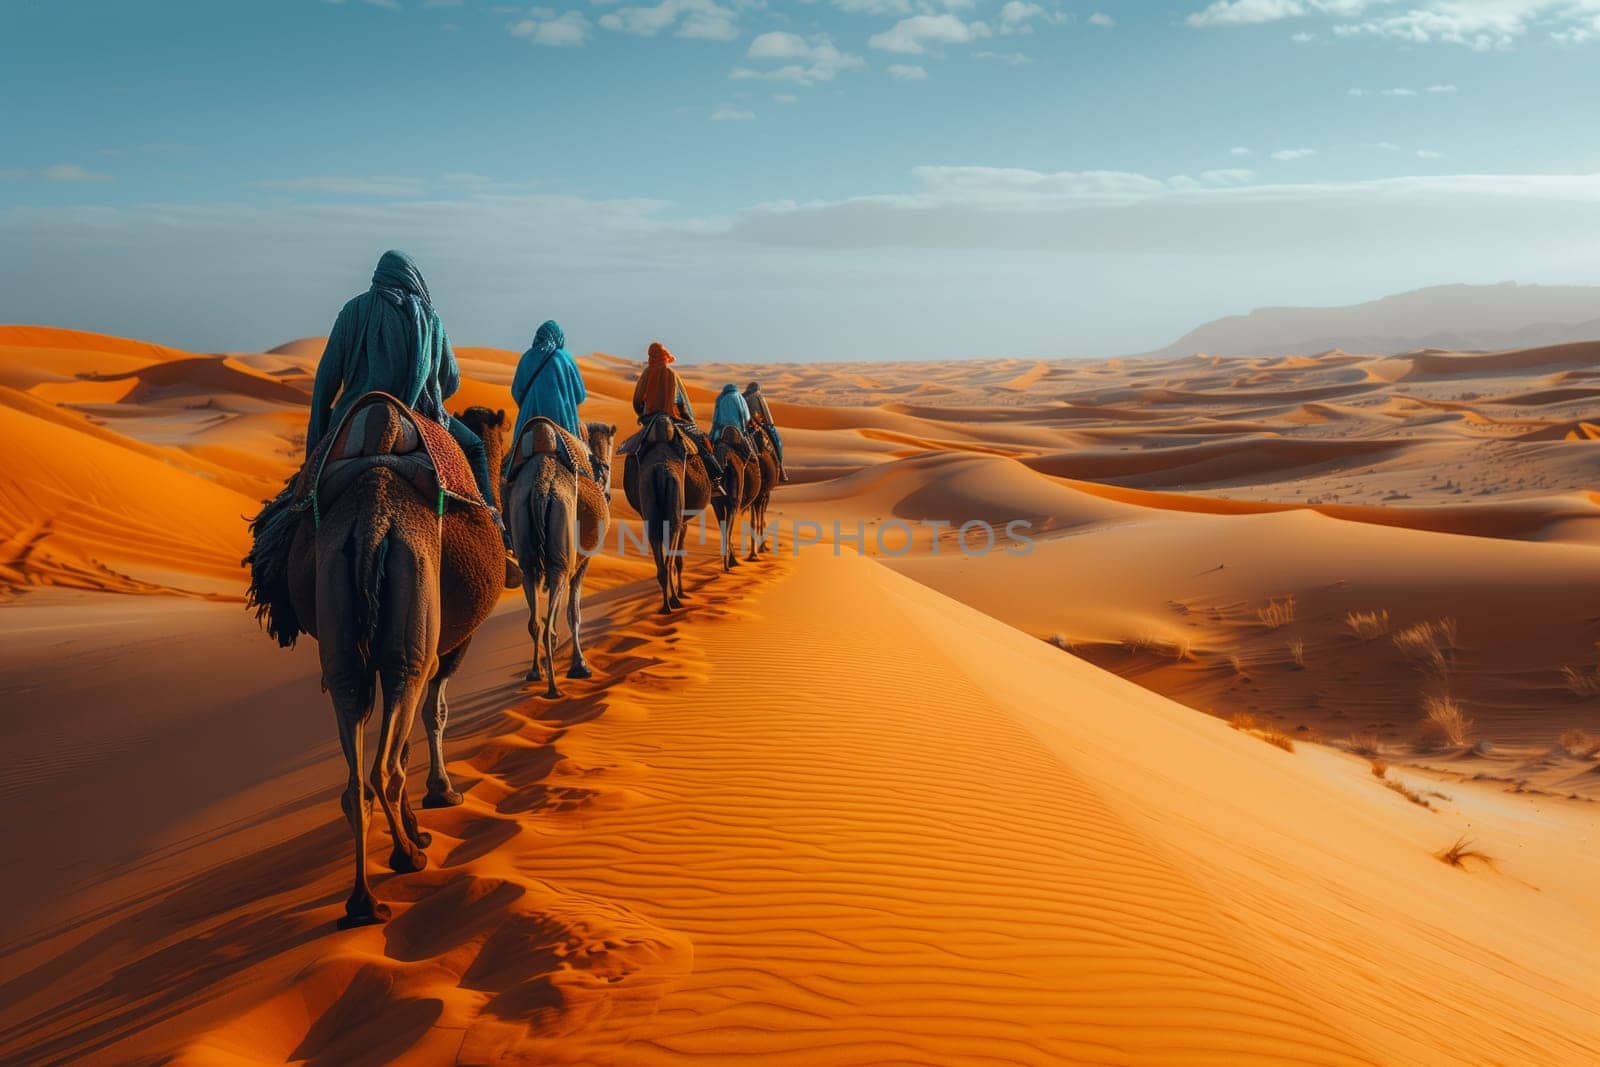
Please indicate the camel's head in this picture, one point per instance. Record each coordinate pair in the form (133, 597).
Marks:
(602, 442)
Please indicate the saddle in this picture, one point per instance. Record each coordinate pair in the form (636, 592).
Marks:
(540, 436)
(734, 439)
(420, 450)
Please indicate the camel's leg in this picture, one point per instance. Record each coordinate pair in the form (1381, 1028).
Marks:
(360, 909)
(678, 557)
(552, 608)
(579, 667)
(530, 591)
(435, 715)
(659, 548)
(402, 689)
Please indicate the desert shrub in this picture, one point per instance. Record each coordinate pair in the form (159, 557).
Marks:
(1242, 720)
(1379, 768)
(1445, 719)
(1364, 744)
(1459, 853)
(1368, 625)
(1277, 612)
(1580, 682)
(1297, 653)
(1420, 644)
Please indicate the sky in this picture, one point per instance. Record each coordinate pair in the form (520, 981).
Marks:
(762, 180)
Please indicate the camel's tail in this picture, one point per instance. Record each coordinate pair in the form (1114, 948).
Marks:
(661, 520)
(368, 549)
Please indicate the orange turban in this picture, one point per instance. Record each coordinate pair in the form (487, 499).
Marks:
(659, 354)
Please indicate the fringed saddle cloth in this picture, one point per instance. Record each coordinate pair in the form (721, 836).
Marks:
(540, 436)
(424, 453)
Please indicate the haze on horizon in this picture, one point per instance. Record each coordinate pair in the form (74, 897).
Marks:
(854, 179)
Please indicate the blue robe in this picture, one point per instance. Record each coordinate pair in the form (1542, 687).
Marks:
(548, 383)
(731, 410)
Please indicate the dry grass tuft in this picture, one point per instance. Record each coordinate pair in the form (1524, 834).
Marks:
(1410, 794)
(1421, 644)
(1446, 720)
(1242, 720)
(1579, 743)
(1277, 612)
(1364, 744)
(1581, 682)
(1379, 768)
(1368, 625)
(1459, 853)
(1277, 737)
(1449, 633)
(1237, 664)
(1297, 652)
(1060, 641)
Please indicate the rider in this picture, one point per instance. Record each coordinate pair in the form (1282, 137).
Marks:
(661, 390)
(389, 339)
(761, 414)
(730, 411)
(548, 384)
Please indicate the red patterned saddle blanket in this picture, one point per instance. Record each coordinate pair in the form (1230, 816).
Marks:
(430, 457)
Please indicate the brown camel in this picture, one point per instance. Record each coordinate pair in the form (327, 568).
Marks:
(666, 481)
(545, 504)
(766, 477)
(741, 479)
(393, 589)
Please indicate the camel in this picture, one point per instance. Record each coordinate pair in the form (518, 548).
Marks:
(666, 481)
(392, 587)
(767, 465)
(741, 480)
(546, 502)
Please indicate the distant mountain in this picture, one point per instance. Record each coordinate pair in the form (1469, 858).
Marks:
(1458, 317)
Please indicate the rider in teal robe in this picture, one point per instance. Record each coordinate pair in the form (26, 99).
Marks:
(548, 384)
(390, 339)
(730, 410)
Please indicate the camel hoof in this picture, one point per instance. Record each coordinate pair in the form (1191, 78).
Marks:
(666, 609)
(447, 799)
(552, 693)
(403, 862)
(533, 675)
(580, 670)
(422, 839)
(370, 913)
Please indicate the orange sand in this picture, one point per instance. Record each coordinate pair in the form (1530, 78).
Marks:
(832, 813)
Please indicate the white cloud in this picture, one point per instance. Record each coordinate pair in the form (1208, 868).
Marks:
(1246, 12)
(1010, 59)
(1303, 37)
(545, 27)
(919, 34)
(1101, 19)
(703, 20)
(1440, 89)
(906, 73)
(874, 7)
(1231, 176)
(1018, 11)
(1289, 154)
(785, 98)
(334, 185)
(71, 172)
(802, 61)
(1240, 150)
(1428, 153)
(728, 113)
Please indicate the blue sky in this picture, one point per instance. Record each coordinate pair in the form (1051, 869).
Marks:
(764, 180)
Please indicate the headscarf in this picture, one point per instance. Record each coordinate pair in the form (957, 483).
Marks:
(549, 338)
(398, 281)
(660, 355)
(752, 389)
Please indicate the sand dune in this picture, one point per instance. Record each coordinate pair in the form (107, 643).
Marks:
(847, 808)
